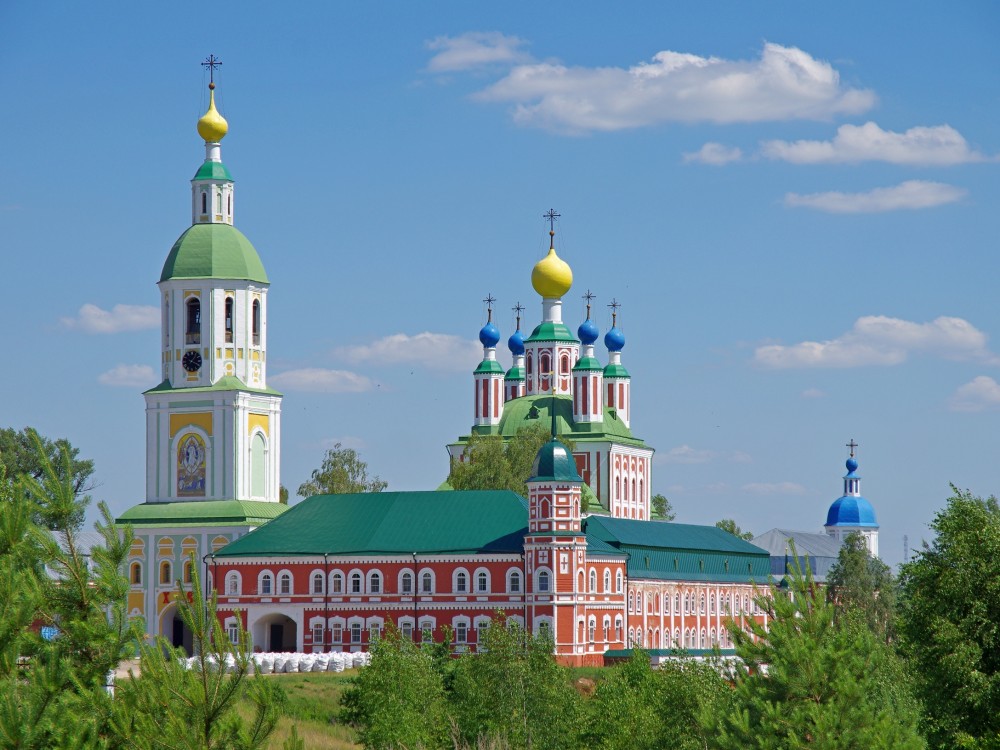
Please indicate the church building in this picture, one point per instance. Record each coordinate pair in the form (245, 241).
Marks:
(213, 427)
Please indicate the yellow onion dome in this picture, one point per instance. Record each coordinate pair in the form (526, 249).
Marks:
(552, 277)
(212, 126)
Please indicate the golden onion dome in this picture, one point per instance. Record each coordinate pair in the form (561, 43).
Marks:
(552, 277)
(212, 126)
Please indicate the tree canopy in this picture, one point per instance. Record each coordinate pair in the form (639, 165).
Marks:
(728, 524)
(949, 623)
(864, 585)
(342, 472)
(662, 507)
(494, 464)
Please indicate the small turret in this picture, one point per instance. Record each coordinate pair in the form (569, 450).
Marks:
(514, 380)
(489, 375)
(851, 512)
(588, 390)
(618, 383)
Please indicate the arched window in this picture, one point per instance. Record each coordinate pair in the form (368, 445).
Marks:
(233, 583)
(543, 580)
(701, 607)
(618, 488)
(338, 583)
(544, 365)
(285, 584)
(229, 204)
(618, 582)
(514, 584)
(218, 202)
(527, 365)
(564, 364)
(677, 603)
(266, 584)
(618, 629)
(375, 585)
(166, 322)
(256, 322)
(406, 583)
(592, 630)
(229, 320)
(461, 582)
(193, 329)
(631, 637)
(355, 583)
(426, 582)
(135, 574)
(317, 583)
(482, 582)
(711, 604)
(607, 580)
(165, 572)
(204, 202)
(631, 602)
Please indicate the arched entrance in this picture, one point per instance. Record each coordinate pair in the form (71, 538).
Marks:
(275, 632)
(173, 629)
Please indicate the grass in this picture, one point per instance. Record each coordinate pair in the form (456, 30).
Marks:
(313, 706)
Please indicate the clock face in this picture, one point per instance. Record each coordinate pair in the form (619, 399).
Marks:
(191, 361)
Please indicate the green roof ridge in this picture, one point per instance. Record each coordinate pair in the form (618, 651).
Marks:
(212, 170)
(616, 371)
(225, 383)
(552, 331)
(515, 373)
(213, 251)
(202, 512)
(487, 366)
(587, 363)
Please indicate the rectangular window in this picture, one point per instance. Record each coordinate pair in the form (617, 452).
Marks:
(318, 633)
(461, 632)
(337, 634)
(356, 632)
(407, 587)
(374, 632)
(426, 633)
(338, 584)
(234, 633)
(406, 630)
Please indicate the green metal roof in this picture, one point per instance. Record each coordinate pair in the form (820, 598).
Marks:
(531, 410)
(487, 366)
(515, 373)
(671, 551)
(212, 170)
(587, 363)
(553, 463)
(549, 331)
(213, 251)
(225, 383)
(616, 371)
(202, 512)
(457, 521)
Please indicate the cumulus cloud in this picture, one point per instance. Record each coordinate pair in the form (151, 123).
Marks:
(774, 488)
(685, 454)
(134, 376)
(92, 319)
(909, 195)
(980, 394)
(940, 145)
(435, 351)
(715, 154)
(813, 393)
(881, 340)
(319, 380)
(783, 83)
(474, 49)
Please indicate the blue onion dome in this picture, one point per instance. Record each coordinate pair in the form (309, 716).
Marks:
(587, 332)
(852, 464)
(614, 340)
(489, 335)
(851, 511)
(516, 343)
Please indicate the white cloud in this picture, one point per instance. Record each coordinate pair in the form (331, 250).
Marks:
(715, 154)
(783, 83)
(436, 351)
(909, 195)
(740, 457)
(685, 454)
(774, 488)
(940, 145)
(135, 376)
(318, 380)
(980, 394)
(813, 393)
(92, 319)
(474, 49)
(881, 340)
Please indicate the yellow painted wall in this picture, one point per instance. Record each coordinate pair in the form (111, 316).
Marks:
(258, 420)
(201, 419)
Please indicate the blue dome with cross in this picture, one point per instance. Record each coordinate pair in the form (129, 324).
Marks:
(851, 509)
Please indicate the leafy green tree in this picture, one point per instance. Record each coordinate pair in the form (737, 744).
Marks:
(860, 583)
(342, 472)
(514, 693)
(25, 453)
(493, 464)
(805, 680)
(949, 624)
(728, 524)
(663, 706)
(398, 701)
(172, 706)
(663, 508)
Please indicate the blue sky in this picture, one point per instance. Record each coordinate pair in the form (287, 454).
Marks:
(796, 206)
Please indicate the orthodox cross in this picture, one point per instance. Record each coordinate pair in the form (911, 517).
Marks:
(615, 304)
(852, 445)
(518, 309)
(551, 215)
(490, 299)
(589, 296)
(212, 62)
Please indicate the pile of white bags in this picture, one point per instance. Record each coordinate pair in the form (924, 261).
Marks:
(286, 663)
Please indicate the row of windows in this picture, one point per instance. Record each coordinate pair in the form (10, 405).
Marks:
(692, 604)
(192, 327)
(652, 638)
(607, 581)
(606, 629)
(166, 577)
(374, 583)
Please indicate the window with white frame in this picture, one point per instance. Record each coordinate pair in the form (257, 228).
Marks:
(338, 582)
(461, 582)
(406, 631)
(461, 632)
(618, 582)
(375, 583)
(514, 582)
(285, 583)
(317, 583)
(233, 583)
(593, 581)
(607, 580)
(374, 632)
(618, 629)
(426, 582)
(406, 583)
(427, 632)
(266, 584)
(482, 582)
(592, 629)
(543, 581)
(355, 632)
(317, 633)
(355, 583)
(337, 633)
(233, 631)
(481, 627)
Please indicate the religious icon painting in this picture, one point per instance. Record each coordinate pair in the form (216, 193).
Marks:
(191, 467)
